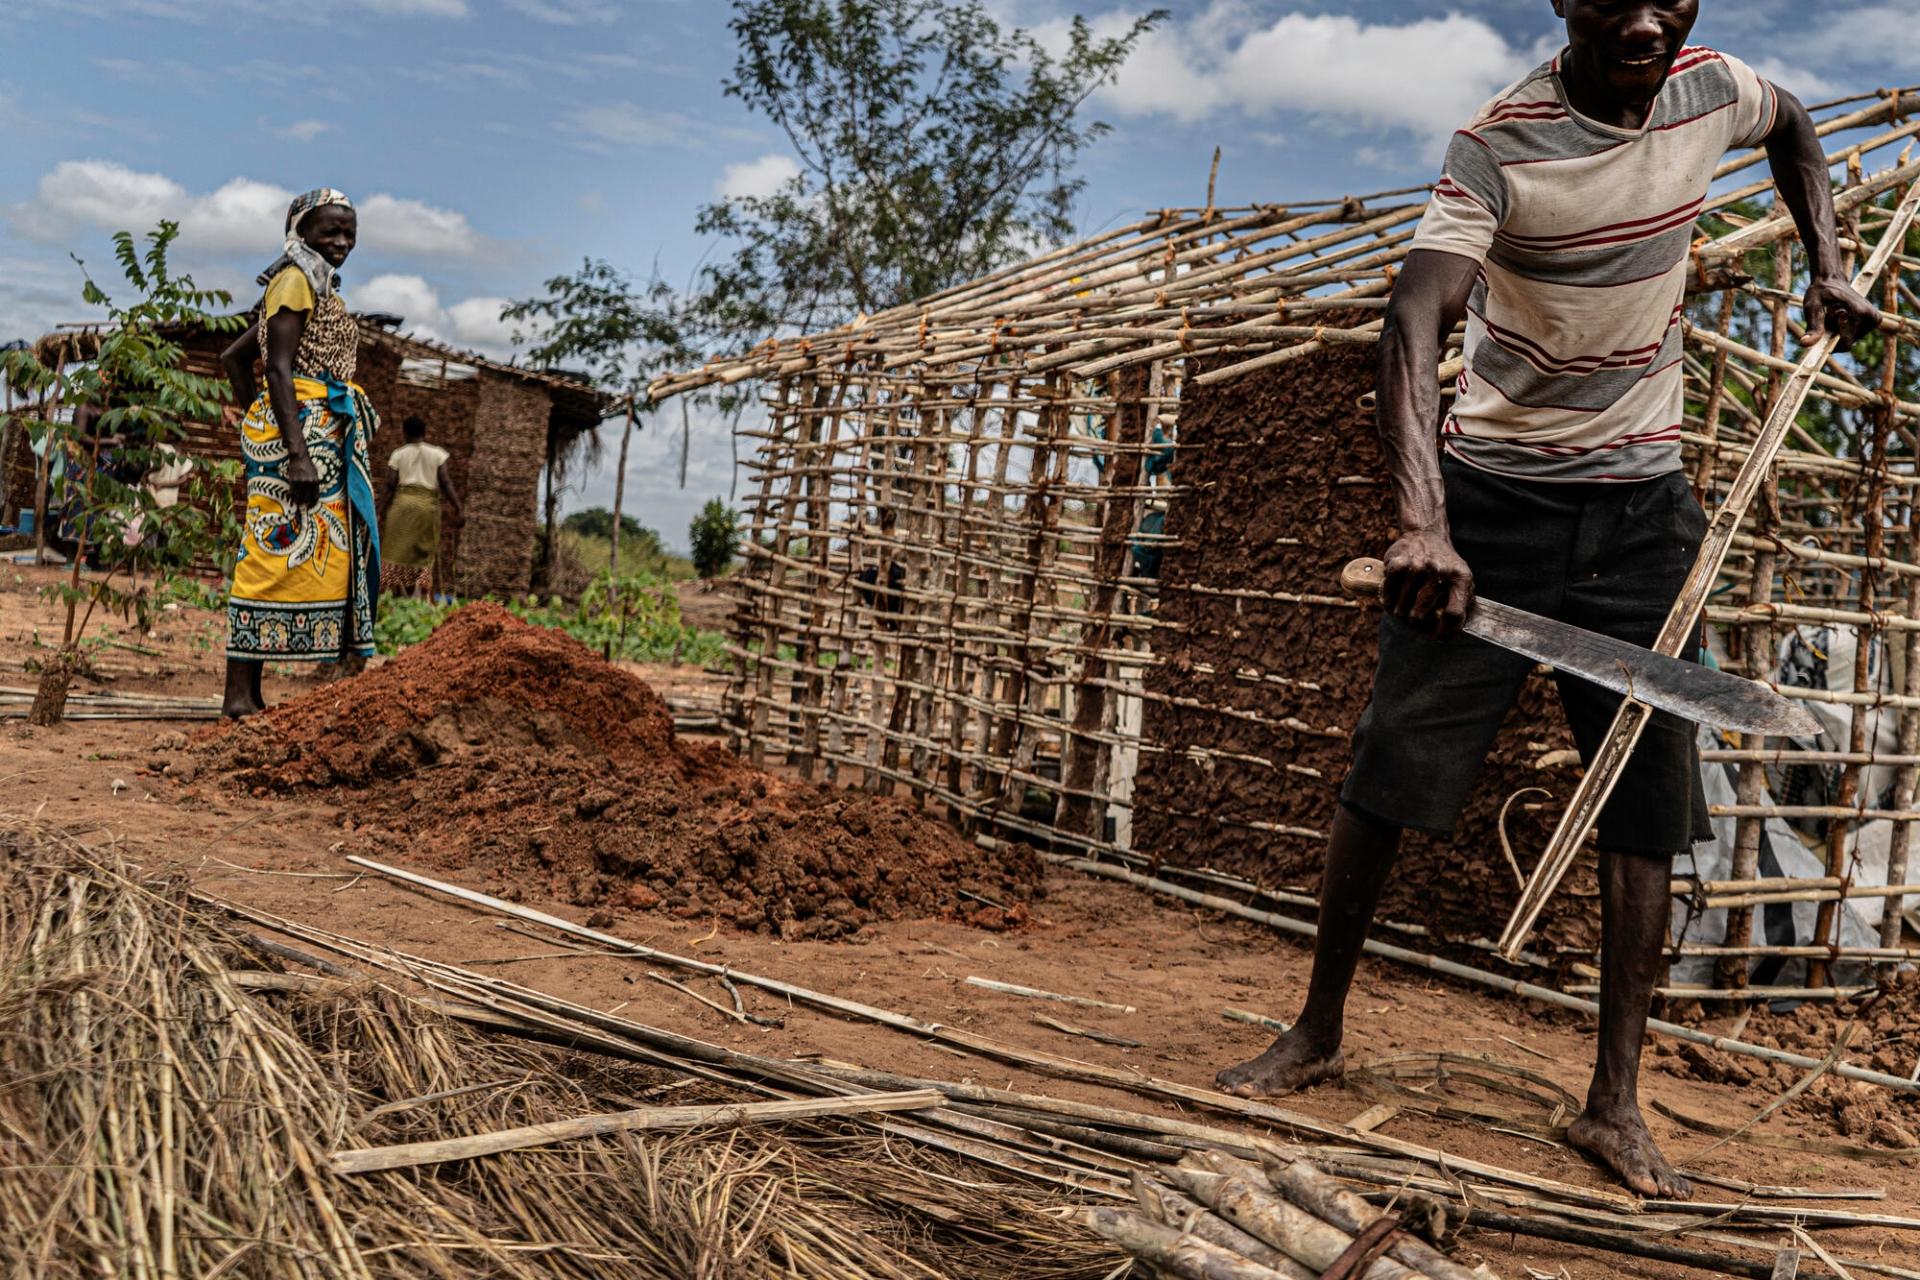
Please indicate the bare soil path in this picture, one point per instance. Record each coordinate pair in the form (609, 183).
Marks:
(1179, 968)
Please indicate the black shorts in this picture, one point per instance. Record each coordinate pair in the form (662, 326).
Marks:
(1608, 556)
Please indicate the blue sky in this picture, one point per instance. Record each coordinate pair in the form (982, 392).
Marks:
(492, 143)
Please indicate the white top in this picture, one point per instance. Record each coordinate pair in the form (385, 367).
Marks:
(419, 463)
(1573, 349)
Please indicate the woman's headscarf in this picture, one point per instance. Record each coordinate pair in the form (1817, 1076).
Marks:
(297, 252)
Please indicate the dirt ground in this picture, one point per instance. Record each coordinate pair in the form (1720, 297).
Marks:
(1179, 968)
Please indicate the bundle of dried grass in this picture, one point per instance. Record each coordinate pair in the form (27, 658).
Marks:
(166, 1110)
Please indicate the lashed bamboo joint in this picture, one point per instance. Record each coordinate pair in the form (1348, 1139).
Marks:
(961, 509)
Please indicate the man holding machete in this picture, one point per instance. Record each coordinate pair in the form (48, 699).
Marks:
(1560, 230)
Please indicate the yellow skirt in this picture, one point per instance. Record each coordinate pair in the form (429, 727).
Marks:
(305, 586)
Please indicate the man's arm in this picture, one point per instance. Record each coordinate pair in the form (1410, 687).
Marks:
(1428, 584)
(1800, 172)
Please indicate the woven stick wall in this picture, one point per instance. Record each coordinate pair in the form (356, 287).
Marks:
(949, 589)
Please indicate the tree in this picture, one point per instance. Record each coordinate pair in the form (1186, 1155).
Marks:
(597, 522)
(933, 146)
(715, 536)
(129, 403)
(624, 336)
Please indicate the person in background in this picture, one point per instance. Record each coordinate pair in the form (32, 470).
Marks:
(416, 484)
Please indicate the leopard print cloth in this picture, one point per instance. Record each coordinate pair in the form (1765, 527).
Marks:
(329, 344)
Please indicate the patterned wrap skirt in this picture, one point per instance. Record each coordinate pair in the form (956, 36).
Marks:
(306, 586)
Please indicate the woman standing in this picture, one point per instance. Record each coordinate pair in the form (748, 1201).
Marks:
(416, 484)
(304, 588)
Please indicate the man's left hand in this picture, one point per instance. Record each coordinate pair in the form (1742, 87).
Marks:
(1834, 306)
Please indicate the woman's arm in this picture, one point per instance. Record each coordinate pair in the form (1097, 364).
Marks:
(447, 493)
(284, 328)
(237, 360)
(389, 485)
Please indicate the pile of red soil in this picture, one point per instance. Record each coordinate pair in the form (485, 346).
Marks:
(1886, 1039)
(512, 750)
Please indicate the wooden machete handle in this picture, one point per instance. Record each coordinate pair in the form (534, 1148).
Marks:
(1364, 579)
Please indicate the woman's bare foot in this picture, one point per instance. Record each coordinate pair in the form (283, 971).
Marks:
(1619, 1140)
(1291, 1063)
(237, 708)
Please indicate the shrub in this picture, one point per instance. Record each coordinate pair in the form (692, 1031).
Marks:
(715, 535)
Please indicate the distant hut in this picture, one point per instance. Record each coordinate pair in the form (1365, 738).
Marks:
(502, 423)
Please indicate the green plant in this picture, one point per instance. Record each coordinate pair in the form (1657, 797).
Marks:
(636, 618)
(129, 403)
(715, 538)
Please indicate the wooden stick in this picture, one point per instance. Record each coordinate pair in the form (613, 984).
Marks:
(1174, 1252)
(1619, 1242)
(1103, 1037)
(1067, 1068)
(1166, 1206)
(1034, 993)
(1255, 1209)
(1631, 720)
(1315, 1192)
(413, 1154)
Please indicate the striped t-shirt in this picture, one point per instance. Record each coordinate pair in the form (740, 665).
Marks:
(1573, 343)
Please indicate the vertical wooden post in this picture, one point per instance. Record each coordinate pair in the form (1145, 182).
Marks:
(1082, 752)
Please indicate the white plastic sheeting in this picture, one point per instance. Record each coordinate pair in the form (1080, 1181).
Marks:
(1817, 658)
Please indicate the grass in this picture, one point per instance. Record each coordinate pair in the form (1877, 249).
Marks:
(595, 555)
(642, 623)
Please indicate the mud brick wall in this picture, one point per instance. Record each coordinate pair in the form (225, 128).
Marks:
(1282, 484)
(448, 411)
(501, 487)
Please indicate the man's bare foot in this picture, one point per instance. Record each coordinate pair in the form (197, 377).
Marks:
(1290, 1063)
(1620, 1141)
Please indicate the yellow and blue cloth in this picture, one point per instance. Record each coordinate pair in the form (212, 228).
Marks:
(307, 578)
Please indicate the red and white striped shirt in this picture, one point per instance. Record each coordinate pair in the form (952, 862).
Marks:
(1581, 231)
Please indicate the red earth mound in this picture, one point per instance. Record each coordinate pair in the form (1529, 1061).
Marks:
(512, 750)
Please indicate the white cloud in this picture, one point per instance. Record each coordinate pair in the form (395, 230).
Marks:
(753, 179)
(626, 124)
(418, 8)
(304, 130)
(566, 13)
(1423, 77)
(389, 224)
(1797, 79)
(473, 324)
(1872, 34)
(243, 216)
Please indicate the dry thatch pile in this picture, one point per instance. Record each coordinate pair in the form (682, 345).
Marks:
(169, 1098)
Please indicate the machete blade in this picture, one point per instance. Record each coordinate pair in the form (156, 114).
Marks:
(1686, 689)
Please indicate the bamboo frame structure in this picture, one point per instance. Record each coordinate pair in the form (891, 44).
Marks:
(946, 596)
